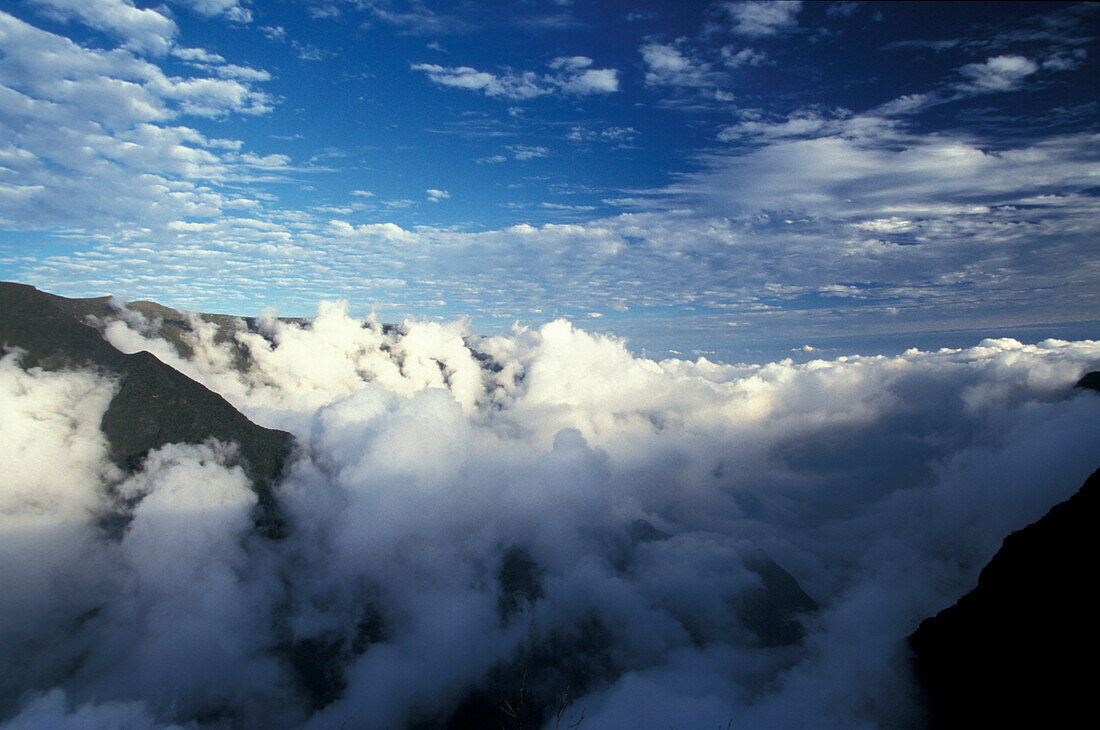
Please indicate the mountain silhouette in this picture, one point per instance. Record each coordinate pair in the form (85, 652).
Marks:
(1017, 650)
(155, 404)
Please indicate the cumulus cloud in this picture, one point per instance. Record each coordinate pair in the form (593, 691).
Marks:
(667, 65)
(756, 19)
(574, 501)
(569, 75)
(1001, 73)
(437, 195)
(141, 29)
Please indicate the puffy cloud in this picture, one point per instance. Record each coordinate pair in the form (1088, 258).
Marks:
(667, 65)
(437, 195)
(756, 19)
(142, 29)
(430, 455)
(1001, 73)
(592, 81)
(79, 120)
(513, 86)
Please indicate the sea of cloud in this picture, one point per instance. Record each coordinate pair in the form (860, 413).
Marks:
(428, 458)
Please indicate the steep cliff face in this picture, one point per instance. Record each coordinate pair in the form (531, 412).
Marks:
(1020, 649)
(155, 404)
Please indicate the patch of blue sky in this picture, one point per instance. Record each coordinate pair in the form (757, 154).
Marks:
(493, 159)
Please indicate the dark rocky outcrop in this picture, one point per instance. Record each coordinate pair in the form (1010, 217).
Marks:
(1018, 650)
(1089, 381)
(155, 404)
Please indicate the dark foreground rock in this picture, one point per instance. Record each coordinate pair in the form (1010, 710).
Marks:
(155, 404)
(1020, 649)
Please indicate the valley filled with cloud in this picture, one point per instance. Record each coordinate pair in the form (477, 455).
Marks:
(468, 518)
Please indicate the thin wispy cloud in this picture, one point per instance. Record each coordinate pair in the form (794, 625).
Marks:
(568, 75)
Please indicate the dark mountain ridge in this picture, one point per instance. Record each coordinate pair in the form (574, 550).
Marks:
(155, 404)
(1017, 650)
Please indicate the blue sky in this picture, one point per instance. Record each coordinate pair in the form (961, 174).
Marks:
(736, 178)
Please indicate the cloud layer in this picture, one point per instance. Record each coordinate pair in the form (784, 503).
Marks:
(460, 503)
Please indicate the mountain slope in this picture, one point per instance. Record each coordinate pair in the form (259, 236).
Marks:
(1018, 649)
(155, 404)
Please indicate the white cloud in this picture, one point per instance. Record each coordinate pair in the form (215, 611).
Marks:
(592, 81)
(800, 123)
(198, 56)
(607, 134)
(871, 175)
(764, 18)
(140, 29)
(435, 195)
(232, 10)
(388, 231)
(81, 120)
(274, 33)
(882, 484)
(571, 63)
(522, 86)
(744, 57)
(525, 152)
(1000, 73)
(571, 75)
(667, 65)
(242, 73)
(310, 52)
(323, 11)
